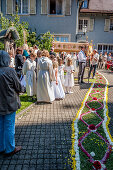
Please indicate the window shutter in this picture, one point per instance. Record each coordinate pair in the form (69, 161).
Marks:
(67, 7)
(44, 6)
(9, 6)
(0, 6)
(32, 6)
(91, 24)
(107, 25)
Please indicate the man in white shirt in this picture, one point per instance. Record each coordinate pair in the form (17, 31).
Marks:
(82, 64)
(94, 62)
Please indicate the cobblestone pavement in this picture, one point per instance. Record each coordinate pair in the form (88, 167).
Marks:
(109, 75)
(45, 135)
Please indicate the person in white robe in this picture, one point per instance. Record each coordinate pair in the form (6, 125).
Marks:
(74, 61)
(61, 70)
(45, 92)
(57, 85)
(69, 78)
(29, 70)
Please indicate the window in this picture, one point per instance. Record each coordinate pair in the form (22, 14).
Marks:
(61, 38)
(82, 24)
(105, 48)
(56, 7)
(111, 24)
(22, 6)
(85, 4)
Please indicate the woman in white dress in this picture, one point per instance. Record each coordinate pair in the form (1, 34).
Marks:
(61, 70)
(45, 91)
(57, 85)
(69, 78)
(29, 70)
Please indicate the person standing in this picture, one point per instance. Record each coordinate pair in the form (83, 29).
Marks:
(94, 62)
(19, 62)
(105, 60)
(29, 70)
(82, 64)
(69, 77)
(100, 61)
(45, 92)
(9, 104)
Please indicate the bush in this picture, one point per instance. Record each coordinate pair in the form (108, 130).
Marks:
(45, 41)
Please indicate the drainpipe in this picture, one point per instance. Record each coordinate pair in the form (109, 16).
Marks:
(77, 19)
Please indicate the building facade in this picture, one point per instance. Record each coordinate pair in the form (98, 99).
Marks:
(68, 20)
(97, 17)
(56, 16)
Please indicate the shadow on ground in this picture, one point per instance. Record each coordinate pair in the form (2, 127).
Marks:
(44, 147)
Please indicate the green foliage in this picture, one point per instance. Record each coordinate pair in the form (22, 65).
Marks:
(31, 39)
(22, 28)
(45, 41)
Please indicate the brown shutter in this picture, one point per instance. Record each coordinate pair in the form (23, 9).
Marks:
(107, 25)
(67, 7)
(9, 7)
(32, 6)
(44, 6)
(91, 24)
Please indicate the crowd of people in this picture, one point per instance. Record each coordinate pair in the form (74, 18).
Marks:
(48, 76)
(42, 73)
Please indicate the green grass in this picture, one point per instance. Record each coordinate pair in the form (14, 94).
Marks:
(25, 102)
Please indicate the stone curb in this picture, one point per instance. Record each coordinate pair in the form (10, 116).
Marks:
(23, 112)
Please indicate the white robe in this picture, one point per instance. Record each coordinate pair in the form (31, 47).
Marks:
(74, 61)
(61, 73)
(29, 70)
(58, 89)
(45, 91)
(69, 78)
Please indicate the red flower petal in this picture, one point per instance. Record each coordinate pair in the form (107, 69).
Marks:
(94, 98)
(97, 90)
(93, 109)
(100, 78)
(97, 165)
(91, 127)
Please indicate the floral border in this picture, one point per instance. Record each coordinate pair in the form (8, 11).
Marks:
(75, 131)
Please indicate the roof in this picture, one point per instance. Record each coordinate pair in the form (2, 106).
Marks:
(99, 6)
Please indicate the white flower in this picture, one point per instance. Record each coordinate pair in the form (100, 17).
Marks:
(92, 154)
(103, 166)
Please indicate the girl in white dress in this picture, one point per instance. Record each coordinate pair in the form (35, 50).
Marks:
(45, 92)
(61, 70)
(69, 78)
(29, 70)
(57, 85)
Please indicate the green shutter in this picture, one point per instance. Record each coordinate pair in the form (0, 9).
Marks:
(67, 7)
(91, 24)
(9, 6)
(32, 6)
(107, 25)
(44, 6)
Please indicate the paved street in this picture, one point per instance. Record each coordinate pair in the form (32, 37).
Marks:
(44, 133)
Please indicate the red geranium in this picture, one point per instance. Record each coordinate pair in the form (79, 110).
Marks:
(93, 109)
(92, 127)
(94, 98)
(97, 90)
(100, 78)
(97, 165)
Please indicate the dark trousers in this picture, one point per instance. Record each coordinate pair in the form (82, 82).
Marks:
(91, 68)
(81, 71)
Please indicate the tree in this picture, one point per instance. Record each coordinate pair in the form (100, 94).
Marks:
(45, 41)
(22, 29)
